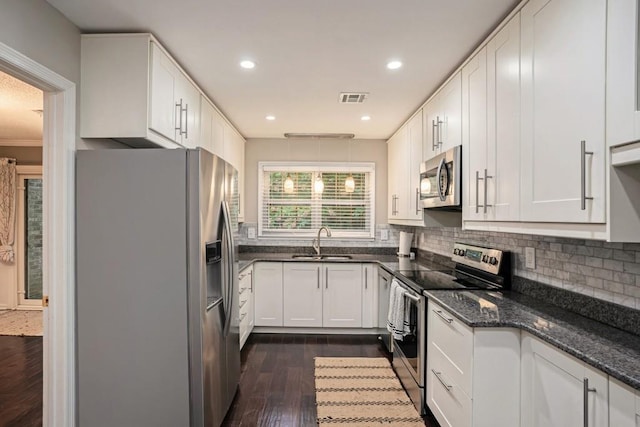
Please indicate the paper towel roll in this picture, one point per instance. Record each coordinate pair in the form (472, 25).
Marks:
(405, 243)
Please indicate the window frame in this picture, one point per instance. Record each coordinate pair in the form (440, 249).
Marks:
(315, 167)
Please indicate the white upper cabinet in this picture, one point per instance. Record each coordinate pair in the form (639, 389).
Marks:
(234, 154)
(563, 104)
(442, 117)
(623, 100)
(491, 131)
(174, 101)
(134, 92)
(211, 128)
(404, 157)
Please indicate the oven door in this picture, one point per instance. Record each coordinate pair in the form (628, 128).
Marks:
(440, 180)
(409, 353)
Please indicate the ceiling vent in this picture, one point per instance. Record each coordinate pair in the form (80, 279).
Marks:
(352, 97)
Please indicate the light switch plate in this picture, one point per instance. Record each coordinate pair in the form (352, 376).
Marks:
(251, 232)
(384, 234)
(530, 258)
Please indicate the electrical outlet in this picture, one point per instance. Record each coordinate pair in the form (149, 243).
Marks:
(530, 258)
(251, 232)
(384, 234)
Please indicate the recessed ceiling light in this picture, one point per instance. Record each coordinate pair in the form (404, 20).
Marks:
(270, 117)
(394, 65)
(247, 64)
(365, 118)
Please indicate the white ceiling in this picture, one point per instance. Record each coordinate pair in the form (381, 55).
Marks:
(18, 100)
(307, 51)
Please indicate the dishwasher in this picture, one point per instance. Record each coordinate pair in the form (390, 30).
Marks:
(384, 287)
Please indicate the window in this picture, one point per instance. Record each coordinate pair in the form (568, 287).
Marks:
(300, 212)
(29, 237)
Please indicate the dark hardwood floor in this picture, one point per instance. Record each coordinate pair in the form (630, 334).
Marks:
(277, 384)
(20, 381)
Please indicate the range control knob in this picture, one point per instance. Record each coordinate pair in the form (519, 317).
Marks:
(485, 258)
(493, 260)
(455, 251)
(461, 252)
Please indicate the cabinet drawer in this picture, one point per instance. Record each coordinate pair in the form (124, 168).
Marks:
(449, 404)
(451, 343)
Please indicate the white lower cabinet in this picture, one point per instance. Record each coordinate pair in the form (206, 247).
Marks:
(268, 293)
(246, 301)
(302, 294)
(342, 296)
(559, 390)
(315, 294)
(624, 405)
(473, 375)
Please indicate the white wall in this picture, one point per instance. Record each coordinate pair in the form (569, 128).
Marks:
(329, 150)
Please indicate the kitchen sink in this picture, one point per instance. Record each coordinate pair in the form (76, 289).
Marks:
(321, 257)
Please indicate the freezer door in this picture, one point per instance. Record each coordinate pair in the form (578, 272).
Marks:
(213, 358)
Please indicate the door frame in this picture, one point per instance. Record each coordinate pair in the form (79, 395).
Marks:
(59, 144)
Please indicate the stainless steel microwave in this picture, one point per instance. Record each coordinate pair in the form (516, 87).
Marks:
(441, 181)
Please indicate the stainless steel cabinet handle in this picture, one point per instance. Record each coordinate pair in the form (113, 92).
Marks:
(365, 277)
(243, 303)
(486, 178)
(478, 206)
(326, 277)
(435, 127)
(417, 200)
(243, 316)
(251, 274)
(442, 316)
(318, 277)
(394, 205)
(583, 175)
(437, 374)
(585, 400)
(179, 124)
(186, 121)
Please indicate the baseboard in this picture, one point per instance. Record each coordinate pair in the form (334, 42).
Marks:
(314, 331)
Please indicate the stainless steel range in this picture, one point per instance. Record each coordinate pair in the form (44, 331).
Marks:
(476, 268)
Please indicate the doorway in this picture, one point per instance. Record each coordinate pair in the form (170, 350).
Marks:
(58, 152)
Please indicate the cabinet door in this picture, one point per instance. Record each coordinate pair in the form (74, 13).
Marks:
(413, 155)
(474, 135)
(268, 293)
(396, 173)
(211, 130)
(450, 106)
(342, 296)
(623, 102)
(553, 388)
(302, 294)
(369, 294)
(562, 75)
(503, 124)
(241, 184)
(624, 405)
(430, 120)
(188, 97)
(163, 111)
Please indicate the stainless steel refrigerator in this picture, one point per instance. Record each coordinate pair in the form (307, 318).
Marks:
(157, 288)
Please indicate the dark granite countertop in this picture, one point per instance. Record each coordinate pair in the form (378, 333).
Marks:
(609, 349)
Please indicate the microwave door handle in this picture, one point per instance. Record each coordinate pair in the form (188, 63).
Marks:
(441, 191)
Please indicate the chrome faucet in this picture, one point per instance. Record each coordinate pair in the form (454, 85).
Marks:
(316, 242)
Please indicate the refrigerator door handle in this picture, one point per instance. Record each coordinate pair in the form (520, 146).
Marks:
(229, 266)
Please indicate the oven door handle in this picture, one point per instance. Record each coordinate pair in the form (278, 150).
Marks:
(411, 297)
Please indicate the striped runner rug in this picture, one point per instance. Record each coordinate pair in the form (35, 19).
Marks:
(361, 391)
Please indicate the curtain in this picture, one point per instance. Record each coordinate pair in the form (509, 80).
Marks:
(7, 208)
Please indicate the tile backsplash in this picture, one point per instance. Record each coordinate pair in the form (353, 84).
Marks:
(391, 241)
(608, 271)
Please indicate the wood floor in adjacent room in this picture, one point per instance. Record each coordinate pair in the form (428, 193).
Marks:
(20, 381)
(277, 384)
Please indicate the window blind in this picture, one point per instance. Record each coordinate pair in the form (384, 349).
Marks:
(301, 211)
